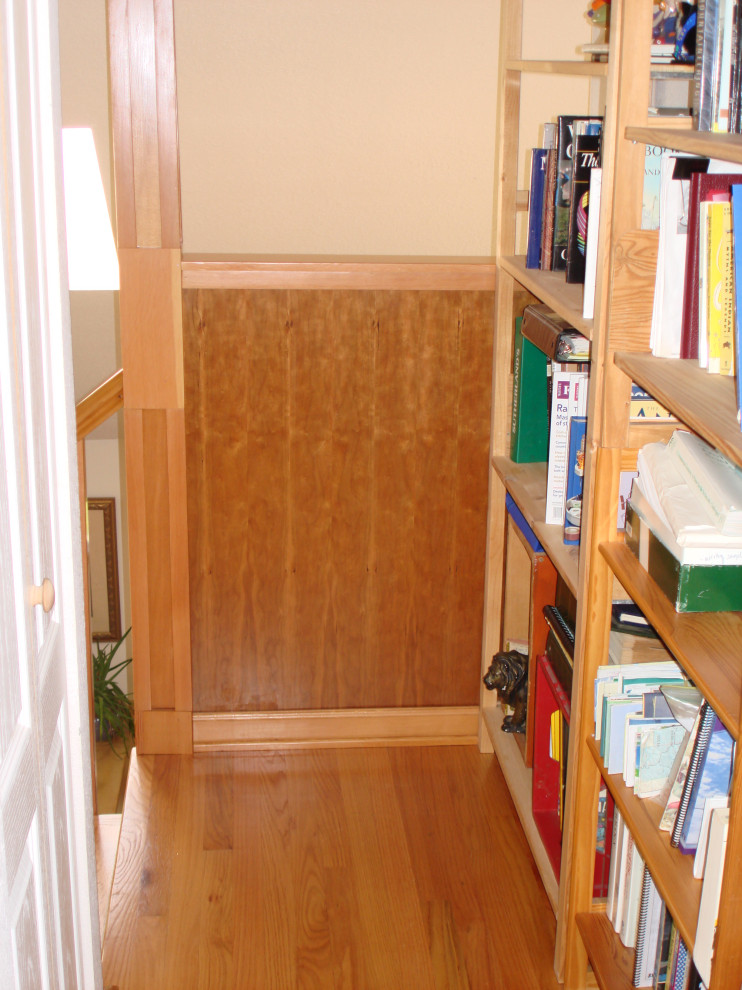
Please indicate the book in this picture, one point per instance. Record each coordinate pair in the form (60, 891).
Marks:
(703, 185)
(657, 746)
(709, 806)
(663, 948)
(568, 127)
(667, 310)
(632, 896)
(647, 932)
(707, 718)
(643, 407)
(704, 254)
(586, 157)
(556, 473)
(575, 472)
(552, 334)
(720, 289)
(675, 783)
(707, 41)
(713, 478)
(653, 155)
(529, 428)
(536, 207)
(525, 530)
(547, 221)
(724, 556)
(703, 946)
(616, 851)
(737, 230)
(669, 493)
(713, 779)
(591, 250)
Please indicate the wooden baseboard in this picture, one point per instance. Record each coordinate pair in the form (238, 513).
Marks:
(221, 731)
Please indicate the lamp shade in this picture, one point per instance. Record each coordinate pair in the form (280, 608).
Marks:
(91, 252)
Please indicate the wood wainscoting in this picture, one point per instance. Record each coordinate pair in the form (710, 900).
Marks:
(336, 450)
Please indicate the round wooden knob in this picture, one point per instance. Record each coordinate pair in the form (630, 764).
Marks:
(43, 594)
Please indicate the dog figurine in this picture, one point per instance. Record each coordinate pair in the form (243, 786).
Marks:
(508, 675)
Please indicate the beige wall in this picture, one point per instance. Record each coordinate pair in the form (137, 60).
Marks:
(343, 127)
(332, 127)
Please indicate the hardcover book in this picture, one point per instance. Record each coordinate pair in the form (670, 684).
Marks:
(536, 207)
(568, 126)
(575, 472)
(529, 428)
(720, 290)
(547, 231)
(586, 157)
(703, 186)
(737, 230)
(713, 779)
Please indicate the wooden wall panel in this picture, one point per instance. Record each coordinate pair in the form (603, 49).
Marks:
(336, 449)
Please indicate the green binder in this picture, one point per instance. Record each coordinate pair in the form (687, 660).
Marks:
(529, 430)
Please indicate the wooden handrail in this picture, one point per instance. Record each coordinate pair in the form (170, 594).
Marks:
(98, 405)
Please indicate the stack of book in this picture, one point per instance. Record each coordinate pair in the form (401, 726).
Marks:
(684, 523)
(681, 755)
(698, 287)
(564, 195)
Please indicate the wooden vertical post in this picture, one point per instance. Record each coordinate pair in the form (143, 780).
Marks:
(147, 186)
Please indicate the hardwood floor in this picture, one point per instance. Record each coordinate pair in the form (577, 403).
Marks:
(364, 869)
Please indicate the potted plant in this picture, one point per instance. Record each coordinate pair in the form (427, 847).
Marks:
(114, 709)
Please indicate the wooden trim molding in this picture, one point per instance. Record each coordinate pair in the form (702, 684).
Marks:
(95, 408)
(225, 731)
(220, 272)
(164, 731)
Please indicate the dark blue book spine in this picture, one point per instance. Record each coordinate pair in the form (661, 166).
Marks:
(536, 207)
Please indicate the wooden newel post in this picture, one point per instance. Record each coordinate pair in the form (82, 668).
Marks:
(147, 187)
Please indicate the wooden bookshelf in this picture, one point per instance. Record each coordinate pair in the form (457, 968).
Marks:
(526, 483)
(612, 962)
(519, 779)
(706, 644)
(671, 870)
(691, 393)
(710, 145)
(551, 289)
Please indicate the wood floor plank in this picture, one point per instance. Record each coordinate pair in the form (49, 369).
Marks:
(364, 869)
(392, 930)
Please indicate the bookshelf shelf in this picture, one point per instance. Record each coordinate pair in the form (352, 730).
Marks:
(520, 783)
(672, 870)
(558, 67)
(611, 961)
(706, 644)
(705, 403)
(551, 289)
(706, 143)
(526, 483)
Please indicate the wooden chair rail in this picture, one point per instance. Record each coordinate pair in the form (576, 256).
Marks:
(98, 405)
